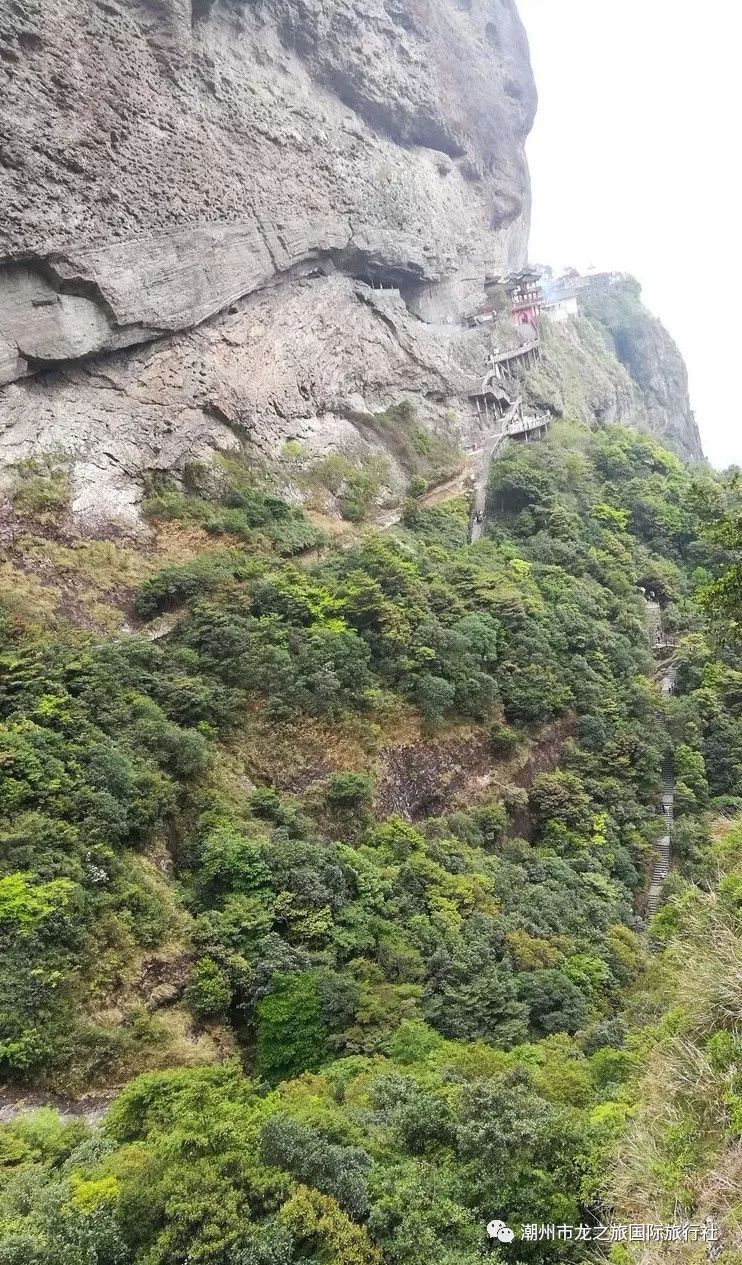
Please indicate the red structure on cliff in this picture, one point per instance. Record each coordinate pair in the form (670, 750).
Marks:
(523, 290)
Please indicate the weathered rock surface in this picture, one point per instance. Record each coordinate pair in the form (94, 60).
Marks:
(198, 199)
(652, 361)
(162, 159)
(303, 360)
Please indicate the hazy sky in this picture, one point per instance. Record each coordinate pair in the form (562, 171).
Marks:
(635, 161)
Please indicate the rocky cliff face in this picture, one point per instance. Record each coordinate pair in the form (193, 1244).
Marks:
(617, 363)
(653, 362)
(200, 196)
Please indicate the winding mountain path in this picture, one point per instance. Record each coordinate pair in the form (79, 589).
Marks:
(489, 452)
(663, 859)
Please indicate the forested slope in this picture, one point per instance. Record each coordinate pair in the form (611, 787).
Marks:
(362, 1035)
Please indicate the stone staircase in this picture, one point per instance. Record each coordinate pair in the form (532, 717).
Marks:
(663, 859)
(664, 849)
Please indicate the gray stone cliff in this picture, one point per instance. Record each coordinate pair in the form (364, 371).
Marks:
(199, 197)
(653, 362)
(236, 223)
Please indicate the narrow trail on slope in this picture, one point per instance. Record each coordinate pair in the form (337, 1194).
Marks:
(667, 676)
(459, 485)
(664, 843)
(489, 452)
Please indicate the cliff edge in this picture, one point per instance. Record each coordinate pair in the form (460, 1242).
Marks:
(653, 361)
(616, 363)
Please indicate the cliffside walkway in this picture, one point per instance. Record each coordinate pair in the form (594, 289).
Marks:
(489, 452)
(490, 387)
(529, 350)
(514, 426)
(527, 426)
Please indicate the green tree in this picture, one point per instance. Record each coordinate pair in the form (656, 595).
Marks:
(208, 993)
(292, 1036)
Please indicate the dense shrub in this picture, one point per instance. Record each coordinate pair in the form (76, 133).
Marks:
(208, 993)
(349, 790)
(432, 1008)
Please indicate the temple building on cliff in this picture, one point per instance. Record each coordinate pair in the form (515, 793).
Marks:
(518, 293)
(524, 291)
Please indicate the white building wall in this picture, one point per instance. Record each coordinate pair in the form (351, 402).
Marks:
(562, 309)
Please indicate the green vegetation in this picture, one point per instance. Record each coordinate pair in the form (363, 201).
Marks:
(349, 790)
(722, 597)
(42, 489)
(419, 451)
(681, 1153)
(577, 375)
(432, 1022)
(357, 488)
(226, 501)
(427, 458)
